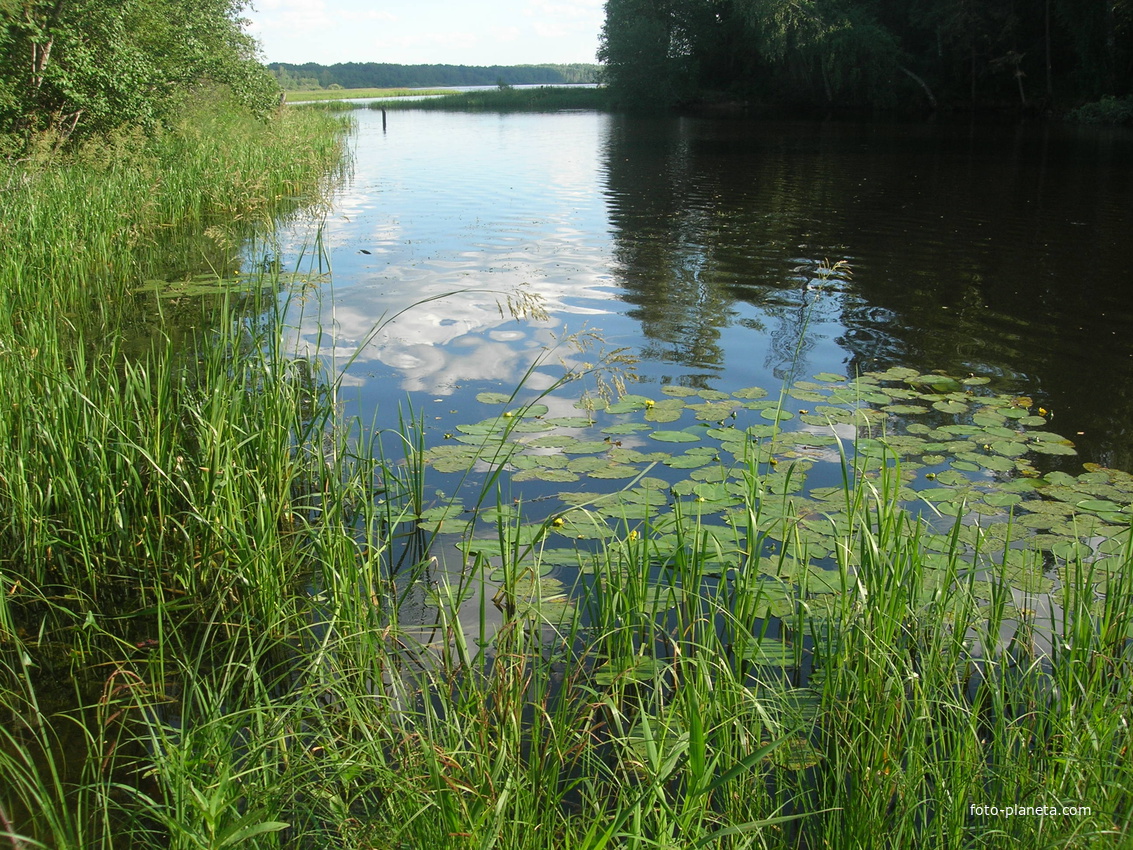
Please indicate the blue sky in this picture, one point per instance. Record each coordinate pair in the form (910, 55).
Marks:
(411, 32)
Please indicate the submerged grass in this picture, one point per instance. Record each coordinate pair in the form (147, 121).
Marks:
(211, 634)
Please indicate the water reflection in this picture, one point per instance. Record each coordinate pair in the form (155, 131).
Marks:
(712, 249)
(988, 250)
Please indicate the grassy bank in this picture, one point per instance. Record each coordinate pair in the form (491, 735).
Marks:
(344, 94)
(542, 99)
(117, 426)
(226, 619)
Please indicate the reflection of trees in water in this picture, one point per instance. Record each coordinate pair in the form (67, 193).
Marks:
(991, 251)
(663, 247)
(700, 225)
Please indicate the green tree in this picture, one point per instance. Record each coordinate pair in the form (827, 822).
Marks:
(71, 68)
(646, 63)
(833, 52)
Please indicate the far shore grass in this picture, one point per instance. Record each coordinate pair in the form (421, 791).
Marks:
(506, 99)
(346, 94)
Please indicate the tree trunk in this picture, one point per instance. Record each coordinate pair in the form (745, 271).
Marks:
(1046, 37)
(922, 83)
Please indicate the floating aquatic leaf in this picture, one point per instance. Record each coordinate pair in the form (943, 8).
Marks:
(807, 395)
(564, 557)
(678, 391)
(587, 464)
(713, 395)
(542, 473)
(541, 598)
(1071, 550)
(583, 447)
(1050, 448)
(582, 526)
(776, 414)
(769, 652)
(1002, 500)
(712, 492)
(543, 568)
(628, 404)
(570, 422)
(442, 512)
(664, 414)
(489, 426)
(997, 463)
(553, 441)
(622, 455)
(988, 419)
(615, 471)
(688, 461)
(493, 398)
(937, 383)
(1012, 412)
(833, 414)
(626, 428)
(750, 393)
(937, 494)
(1038, 521)
(531, 426)
(642, 669)
(950, 406)
(674, 437)
(712, 411)
(905, 409)
(1044, 506)
(829, 378)
(1095, 505)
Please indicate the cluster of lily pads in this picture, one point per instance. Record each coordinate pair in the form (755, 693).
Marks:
(947, 449)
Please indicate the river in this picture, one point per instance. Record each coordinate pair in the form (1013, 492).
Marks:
(727, 253)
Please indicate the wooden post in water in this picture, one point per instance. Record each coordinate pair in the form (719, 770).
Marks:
(383, 119)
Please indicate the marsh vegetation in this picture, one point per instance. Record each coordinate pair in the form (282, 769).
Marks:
(851, 609)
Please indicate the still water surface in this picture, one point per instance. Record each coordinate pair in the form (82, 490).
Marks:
(700, 244)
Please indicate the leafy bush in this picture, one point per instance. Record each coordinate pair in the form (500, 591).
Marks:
(1108, 110)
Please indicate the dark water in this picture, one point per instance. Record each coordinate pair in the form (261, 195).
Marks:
(728, 253)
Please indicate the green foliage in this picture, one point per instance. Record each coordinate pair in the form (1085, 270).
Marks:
(837, 53)
(638, 48)
(1108, 110)
(73, 68)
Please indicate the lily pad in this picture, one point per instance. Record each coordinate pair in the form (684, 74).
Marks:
(493, 398)
(675, 437)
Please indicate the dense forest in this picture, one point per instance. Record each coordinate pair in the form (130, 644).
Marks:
(360, 75)
(1033, 55)
(70, 69)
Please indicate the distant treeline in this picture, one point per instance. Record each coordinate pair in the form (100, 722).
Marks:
(363, 75)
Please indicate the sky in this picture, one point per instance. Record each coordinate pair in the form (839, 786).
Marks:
(426, 32)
